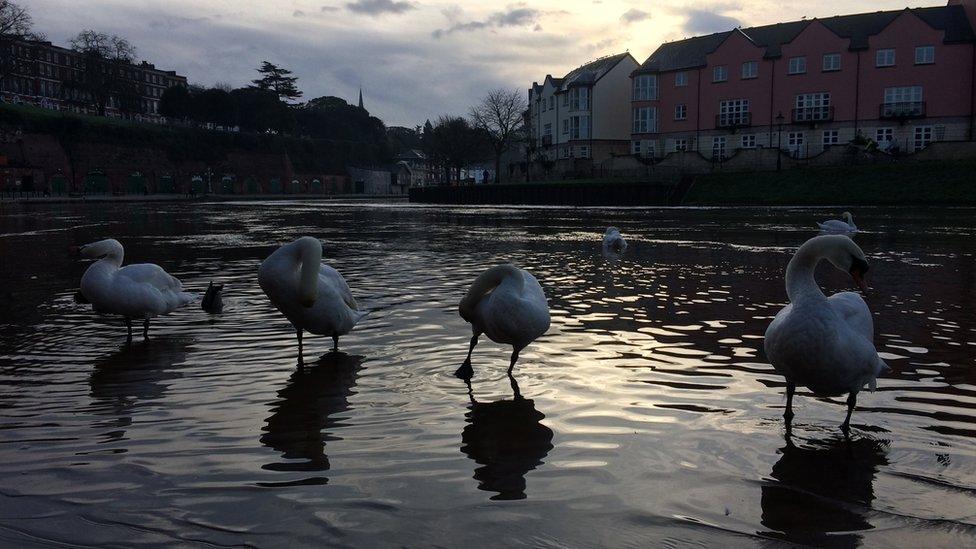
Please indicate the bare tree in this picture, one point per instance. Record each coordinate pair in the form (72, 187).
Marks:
(499, 115)
(15, 24)
(105, 75)
(99, 44)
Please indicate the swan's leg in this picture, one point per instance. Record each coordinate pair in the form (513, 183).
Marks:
(851, 403)
(514, 359)
(298, 332)
(145, 329)
(335, 344)
(466, 371)
(788, 414)
(516, 393)
(128, 325)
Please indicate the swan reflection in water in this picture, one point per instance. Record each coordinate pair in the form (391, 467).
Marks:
(823, 492)
(136, 374)
(307, 408)
(507, 439)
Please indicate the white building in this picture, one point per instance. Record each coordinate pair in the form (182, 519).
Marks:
(585, 114)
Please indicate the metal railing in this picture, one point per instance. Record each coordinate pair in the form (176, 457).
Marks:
(902, 110)
(813, 114)
(733, 120)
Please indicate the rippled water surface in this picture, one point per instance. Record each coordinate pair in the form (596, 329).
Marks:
(649, 415)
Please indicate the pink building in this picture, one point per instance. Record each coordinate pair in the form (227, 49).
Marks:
(902, 78)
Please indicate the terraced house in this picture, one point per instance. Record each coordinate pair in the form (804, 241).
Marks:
(583, 114)
(902, 78)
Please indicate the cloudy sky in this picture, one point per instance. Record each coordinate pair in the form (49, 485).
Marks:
(415, 59)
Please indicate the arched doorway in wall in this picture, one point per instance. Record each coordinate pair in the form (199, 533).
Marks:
(96, 182)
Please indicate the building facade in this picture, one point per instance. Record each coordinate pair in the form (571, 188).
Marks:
(901, 79)
(41, 74)
(583, 114)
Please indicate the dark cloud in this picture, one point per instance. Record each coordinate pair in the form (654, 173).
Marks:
(380, 7)
(634, 15)
(517, 15)
(707, 22)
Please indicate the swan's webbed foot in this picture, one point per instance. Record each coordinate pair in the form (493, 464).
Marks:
(465, 372)
(788, 414)
(298, 333)
(846, 426)
(128, 326)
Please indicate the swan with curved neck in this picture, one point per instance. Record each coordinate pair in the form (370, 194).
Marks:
(613, 241)
(836, 226)
(139, 291)
(313, 296)
(824, 344)
(508, 305)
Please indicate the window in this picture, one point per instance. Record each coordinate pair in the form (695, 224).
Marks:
(798, 65)
(720, 73)
(547, 131)
(645, 87)
(635, 147)
(794, 143)
(579, 127)
(681, 144)
(884, 137)
(680, 111)
(552, 102)
(925, 55)
(680, 79)
(750, 69)
(718, 148)
(884, 58)
(733, 112)
(812, 106)
(579, 99)
(565, 99)
(830, 137)
(565, 152)
(645, 120)
(565, 126)
(903, 102)
(923, 136)
(584, 151)
(831, 62)
(748, 141)
(908, 94)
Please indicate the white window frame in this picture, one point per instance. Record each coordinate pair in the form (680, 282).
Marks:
(579, 127)
(645, 87)
(681, 111)
(720, 73)
(635, 147)
(834, 63)
(924, 55)
(750, 70)
(884, 57)
(812, 106)
(797, 65)
(680, 144)
(795, 142)
(680, 79)
(733, 112)
(830, 137)
(748, 141)
(645, 120)
(565, 126)
(884, 135)
(719, 144)
(584, 151)
(921, 137)
(579, 99)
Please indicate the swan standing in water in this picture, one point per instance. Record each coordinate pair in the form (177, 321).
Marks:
(508, 305)
(836, 226)
(313, 296)
(613, 242)
(824, 344)
(139, 291)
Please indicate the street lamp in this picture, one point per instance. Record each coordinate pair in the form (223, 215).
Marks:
(779, 141)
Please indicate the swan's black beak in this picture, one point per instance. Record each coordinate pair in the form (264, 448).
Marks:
(858, 270)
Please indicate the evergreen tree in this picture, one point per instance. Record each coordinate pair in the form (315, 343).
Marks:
(278, 80)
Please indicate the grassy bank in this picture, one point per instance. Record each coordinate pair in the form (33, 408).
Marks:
(188, 144)
(928, 183)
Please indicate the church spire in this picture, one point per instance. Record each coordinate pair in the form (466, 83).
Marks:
(361, 98)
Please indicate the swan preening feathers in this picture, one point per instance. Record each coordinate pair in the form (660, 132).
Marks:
(824, 344)
(140, 291)
(508, 305)
(313, 296)
(613, 241)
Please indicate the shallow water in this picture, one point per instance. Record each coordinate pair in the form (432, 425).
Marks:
(649, 414)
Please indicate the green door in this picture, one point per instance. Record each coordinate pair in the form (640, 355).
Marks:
(59, 184)
(316, 187)
(275, 186)
(137, 183)
(227, 185)
(296, 186)
(252, 186)
(166, 185)
(96, 183)
(196, 185)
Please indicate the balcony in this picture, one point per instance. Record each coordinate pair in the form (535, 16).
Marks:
(733, 121)
(902, 111)
(812, 115)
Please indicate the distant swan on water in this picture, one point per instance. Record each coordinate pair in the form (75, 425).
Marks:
(824, 344)
(613, 241)
(139, 291)
(508, 305)
(836, 226)
(313, 296)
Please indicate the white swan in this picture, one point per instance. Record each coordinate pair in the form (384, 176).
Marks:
(508, 305)
(613, 242)
(313, 296)
(826, 345)
(139, 291)
(836, 226)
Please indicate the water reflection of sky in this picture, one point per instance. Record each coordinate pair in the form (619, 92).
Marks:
(648, 410)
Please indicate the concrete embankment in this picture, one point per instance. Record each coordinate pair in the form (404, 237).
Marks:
(604, 193)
